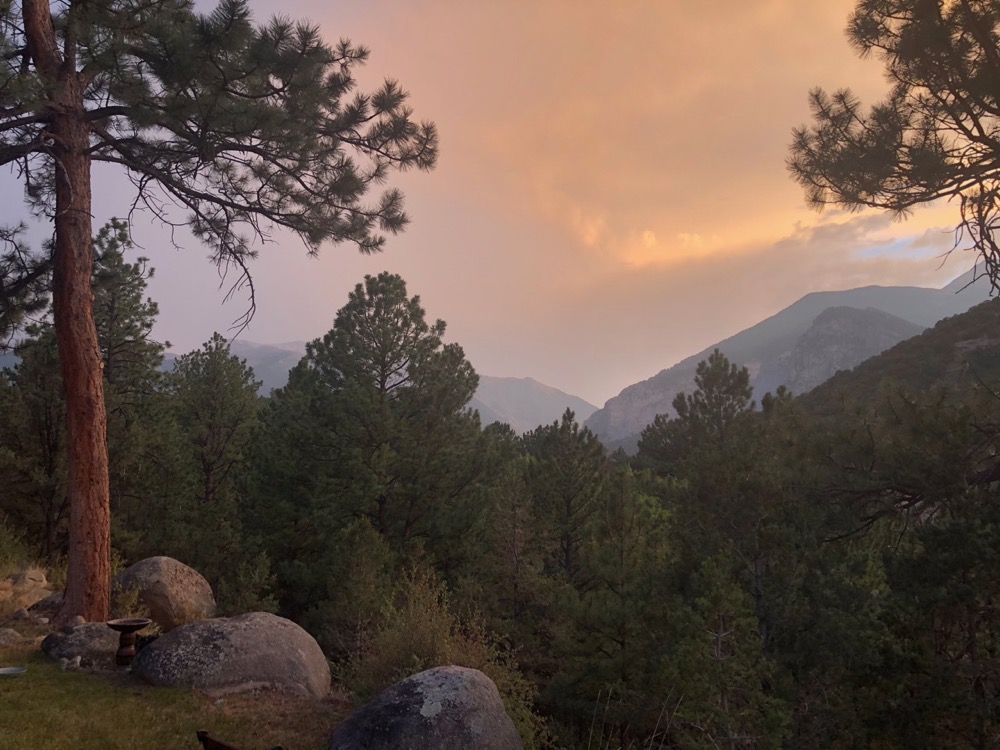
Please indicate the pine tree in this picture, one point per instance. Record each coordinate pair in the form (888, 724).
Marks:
(612, 634)
(33, 445)
(934, 134)
(124, 318)
(243, 126)
(371, 427)
(214, 395)
(566, 478)
(709, 418)
(130, 362)
(719, 665)
(213, 399)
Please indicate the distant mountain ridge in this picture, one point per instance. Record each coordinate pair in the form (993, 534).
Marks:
(523, 403)
(799, 346)
(271, 363)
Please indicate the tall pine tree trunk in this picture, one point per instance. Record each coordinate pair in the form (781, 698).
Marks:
(89, 568)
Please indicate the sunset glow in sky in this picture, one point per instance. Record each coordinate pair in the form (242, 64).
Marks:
(611, 195)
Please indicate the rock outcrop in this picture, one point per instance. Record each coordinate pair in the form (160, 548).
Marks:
(237, 654)
(25, 588)
(445, 708)
(174, 593)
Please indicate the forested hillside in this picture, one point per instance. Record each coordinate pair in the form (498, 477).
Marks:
(791, 576)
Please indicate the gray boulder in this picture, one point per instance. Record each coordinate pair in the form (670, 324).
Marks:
(174, 593)
(48, 606)
(94, 642)
(10, 637)
(237, 654)
(445, 708)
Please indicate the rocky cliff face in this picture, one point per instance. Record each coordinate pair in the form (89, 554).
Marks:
(839, 339)
(636, 406)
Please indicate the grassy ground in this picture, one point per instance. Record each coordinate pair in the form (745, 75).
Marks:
(55, 710)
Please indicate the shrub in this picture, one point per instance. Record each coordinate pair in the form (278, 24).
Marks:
(14, 554)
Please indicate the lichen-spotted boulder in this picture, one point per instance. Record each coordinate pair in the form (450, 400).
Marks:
(94, 642)
(445, 708)
(174, 593)
(237, 654)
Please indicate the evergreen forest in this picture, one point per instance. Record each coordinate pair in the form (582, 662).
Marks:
(767, 572)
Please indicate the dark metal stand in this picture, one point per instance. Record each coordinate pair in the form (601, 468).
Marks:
(128, 627)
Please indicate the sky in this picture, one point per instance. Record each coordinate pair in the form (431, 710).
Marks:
(611, 194)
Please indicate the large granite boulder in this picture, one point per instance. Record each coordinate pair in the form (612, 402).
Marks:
(31, 578)
(445, 708)
(237, 654)
(174, 593)
(94, 642)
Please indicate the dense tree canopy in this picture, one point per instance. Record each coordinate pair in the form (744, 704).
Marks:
(936, 134)
(566, 478)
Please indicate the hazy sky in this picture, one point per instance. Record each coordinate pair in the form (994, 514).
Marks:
(611, 194)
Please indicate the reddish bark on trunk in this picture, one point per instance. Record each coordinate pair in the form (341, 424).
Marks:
(89, 567)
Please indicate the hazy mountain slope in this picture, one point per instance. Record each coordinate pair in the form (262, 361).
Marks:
(959, 351)
(761, 347)
(838, 339)
(524, 403)
(270, 362)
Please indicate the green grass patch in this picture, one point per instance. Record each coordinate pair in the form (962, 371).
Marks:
(48, 708)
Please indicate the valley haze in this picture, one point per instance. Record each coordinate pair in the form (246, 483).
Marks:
(799, 347)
